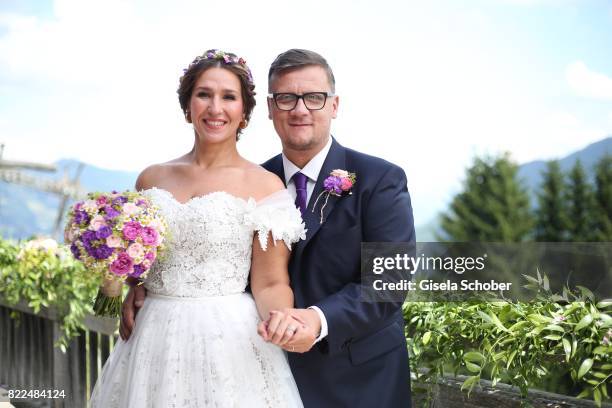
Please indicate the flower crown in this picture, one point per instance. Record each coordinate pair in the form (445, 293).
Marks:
(225, 58)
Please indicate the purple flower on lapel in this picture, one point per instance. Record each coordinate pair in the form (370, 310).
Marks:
(337, 183)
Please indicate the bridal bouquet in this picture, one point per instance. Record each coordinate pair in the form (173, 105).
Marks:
(116, 235)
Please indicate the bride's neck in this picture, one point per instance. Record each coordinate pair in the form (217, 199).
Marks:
(209, 155)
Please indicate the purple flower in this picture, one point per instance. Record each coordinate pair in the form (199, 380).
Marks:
(138, 270)
(103, 252)
(122, 265)
(88, 237)
(119, 201)
(141, 203)
(149, 236)
(333, 184)
(110, 212)
(81, 217)
(75, 251)
(103, 232)
(91, 250)
(150, 256)
(131, 230)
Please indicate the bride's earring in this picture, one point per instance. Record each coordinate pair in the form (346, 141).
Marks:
(188, 116)
(243, 124)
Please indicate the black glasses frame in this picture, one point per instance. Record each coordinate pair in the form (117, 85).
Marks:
(275, 95)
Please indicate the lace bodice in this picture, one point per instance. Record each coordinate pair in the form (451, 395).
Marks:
(210, 240)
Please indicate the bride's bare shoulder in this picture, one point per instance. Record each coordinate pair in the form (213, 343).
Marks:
(262, 181)
(159, 174)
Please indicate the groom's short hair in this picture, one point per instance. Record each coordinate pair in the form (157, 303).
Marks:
(298, 58)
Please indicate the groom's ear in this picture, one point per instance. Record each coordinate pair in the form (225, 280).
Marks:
(335, 103)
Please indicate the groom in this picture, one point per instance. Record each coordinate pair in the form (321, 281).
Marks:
(360, 357)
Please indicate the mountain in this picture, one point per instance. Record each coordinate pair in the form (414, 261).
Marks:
(531, 176)
(25, 211)
(531, 173)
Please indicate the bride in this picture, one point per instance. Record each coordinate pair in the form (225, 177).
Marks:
(195, 342)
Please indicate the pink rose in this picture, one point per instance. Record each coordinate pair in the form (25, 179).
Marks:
(150, 256)
(346, 184)
(122, 265)
(135, 250)
(131, 230)
(101, 201)
(113, 241)
(339, 173)
(97, 222)
(157, 225)
(149, 236)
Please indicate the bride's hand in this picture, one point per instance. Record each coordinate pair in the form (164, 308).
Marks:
(280, 327)
(131, 304)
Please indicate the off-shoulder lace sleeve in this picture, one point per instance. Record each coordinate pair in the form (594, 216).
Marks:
(276, 214)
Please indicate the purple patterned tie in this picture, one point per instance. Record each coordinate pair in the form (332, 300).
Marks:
(300, 181)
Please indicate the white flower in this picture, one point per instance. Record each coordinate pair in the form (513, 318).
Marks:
(90, 206)
(39, 244)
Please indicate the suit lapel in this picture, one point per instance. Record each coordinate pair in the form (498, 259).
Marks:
(275, 165)
(312, 216)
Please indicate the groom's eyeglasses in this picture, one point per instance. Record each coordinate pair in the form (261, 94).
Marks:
(288, 101)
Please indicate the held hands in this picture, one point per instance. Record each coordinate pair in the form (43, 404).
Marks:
(295, 330)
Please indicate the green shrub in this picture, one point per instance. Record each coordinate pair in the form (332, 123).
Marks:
(516, 343)
(46, 275)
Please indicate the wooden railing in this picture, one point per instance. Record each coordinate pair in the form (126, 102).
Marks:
(29, 360)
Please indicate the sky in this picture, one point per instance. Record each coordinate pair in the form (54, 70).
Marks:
(427, 85)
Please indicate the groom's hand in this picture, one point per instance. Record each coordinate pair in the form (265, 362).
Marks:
(132, 303)
(303, 340)
(280, 327)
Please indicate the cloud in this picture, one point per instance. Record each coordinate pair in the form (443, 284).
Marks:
(587, 83)
(424, 85)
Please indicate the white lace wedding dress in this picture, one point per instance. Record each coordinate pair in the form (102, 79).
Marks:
(195, 341)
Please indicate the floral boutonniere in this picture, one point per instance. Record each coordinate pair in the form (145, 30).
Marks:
(337, 183)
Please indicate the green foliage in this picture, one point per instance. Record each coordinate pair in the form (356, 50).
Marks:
(493, 207)
(580, 205)
(516, 343)
(603, 198)
(551, 216)
(47, 276)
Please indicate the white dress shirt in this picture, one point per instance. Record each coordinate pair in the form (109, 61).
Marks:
(310, 170)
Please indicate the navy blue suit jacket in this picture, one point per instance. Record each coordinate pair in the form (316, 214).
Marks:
(363, 361)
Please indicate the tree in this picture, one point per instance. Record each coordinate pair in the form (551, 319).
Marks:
(603, 199)
(551, 219)
(494, 206)
(580, 205)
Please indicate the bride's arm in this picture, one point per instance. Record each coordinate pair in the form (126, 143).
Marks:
(272, 293)
(270, 278)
